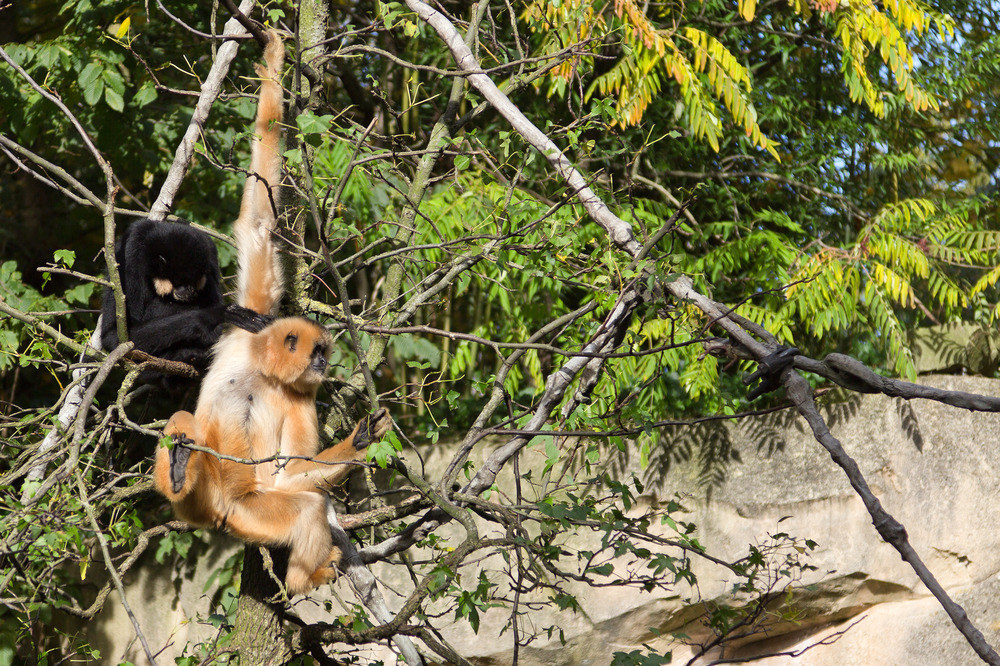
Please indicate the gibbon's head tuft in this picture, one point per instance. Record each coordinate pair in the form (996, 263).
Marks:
(295, 352)
(182, 262)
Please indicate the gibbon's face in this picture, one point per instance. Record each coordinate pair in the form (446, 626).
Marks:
(181, 263)
(295, 351)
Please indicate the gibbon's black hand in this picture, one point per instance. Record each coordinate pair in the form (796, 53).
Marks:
(247, 319)
(179, 456)
(372, 428)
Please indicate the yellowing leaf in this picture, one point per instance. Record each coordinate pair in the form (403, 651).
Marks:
(123, 28)
(747, 9)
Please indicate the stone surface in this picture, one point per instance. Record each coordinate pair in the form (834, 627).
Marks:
(171, 604)
(935, 468)
(955, 346)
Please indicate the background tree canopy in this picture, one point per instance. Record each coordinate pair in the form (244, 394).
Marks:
(823, 170)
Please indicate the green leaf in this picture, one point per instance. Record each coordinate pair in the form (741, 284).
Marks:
(80, 294)
(146, 94)
(65, 257)
(90, 74)
(92, 84)
(114, 99)
(310, 123)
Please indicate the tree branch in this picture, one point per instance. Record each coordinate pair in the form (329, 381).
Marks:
(619, 231)
(888, 527)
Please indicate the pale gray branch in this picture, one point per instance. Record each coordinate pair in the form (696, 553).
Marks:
(67, 413)
(619, 230)
(366, 587)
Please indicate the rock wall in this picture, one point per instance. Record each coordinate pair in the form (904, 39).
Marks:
(933, 467)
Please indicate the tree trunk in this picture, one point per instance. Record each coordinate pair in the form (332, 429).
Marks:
(258, 636)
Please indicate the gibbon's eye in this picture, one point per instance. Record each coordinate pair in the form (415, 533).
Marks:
(161, 260)
(291, 341)
(201, 283)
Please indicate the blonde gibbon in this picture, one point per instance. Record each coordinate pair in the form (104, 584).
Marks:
(258, 399)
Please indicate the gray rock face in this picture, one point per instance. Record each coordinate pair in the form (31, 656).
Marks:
(935, 468)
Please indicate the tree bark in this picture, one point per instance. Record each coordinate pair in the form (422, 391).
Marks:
(258, 636)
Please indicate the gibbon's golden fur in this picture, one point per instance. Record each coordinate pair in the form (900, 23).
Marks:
(258, 398)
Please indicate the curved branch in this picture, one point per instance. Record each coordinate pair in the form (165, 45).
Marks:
(854, 375)
(888, 527)
(364, 584)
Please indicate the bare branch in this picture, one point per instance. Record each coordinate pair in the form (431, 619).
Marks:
(70, 407)
(618, 230)
(888, 527)
(112, 571)
(365, 586)
(856, 376)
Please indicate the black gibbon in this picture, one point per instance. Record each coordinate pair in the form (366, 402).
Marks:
(173, 292)
(258, 398)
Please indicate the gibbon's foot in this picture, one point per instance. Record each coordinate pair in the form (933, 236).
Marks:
(179, 456)
(372, 428)
(327, 572)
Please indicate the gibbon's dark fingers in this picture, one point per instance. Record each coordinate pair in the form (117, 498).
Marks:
(179, 456)
(372, 428)
(172, 471)
(247, 319)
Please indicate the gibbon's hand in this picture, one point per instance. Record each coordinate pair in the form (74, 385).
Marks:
(247, 319)
(179, 456)
(372, 428)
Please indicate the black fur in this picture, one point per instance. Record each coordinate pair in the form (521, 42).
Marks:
(178, 330)
(247, 319)
(363, 437)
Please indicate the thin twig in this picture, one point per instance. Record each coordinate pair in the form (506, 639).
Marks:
(112, 571)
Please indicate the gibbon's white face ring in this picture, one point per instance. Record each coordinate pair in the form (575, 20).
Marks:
(163, 286)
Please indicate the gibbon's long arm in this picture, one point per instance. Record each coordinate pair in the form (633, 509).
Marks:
(207, 491)
(189, 479)
(260, 282)
(285, 518)
(331, 465)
